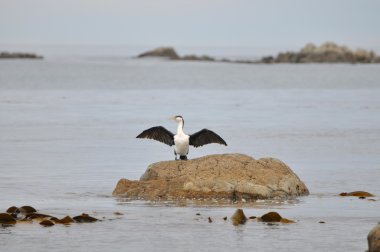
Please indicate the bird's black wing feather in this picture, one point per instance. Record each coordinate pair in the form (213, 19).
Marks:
(158, 133)
(205, 136)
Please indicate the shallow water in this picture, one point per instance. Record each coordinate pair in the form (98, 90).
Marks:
(67, 134)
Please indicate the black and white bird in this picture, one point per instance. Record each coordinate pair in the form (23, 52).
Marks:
(181, 140)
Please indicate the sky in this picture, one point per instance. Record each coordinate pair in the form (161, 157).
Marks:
(190, 22)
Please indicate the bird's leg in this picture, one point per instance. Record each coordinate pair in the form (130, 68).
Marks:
(175, 155)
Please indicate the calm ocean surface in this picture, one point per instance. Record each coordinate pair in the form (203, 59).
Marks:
(67, 135)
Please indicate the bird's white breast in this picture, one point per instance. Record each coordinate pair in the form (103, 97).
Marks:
(181, 142)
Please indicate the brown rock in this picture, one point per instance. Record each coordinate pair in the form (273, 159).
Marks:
(118, 213)
(66, 220)
(271, 217)
(27, 209)
(228, 176)
(13, 209)
(252, 217)
(225, 218)
(47, 223)
(209, 220)
(357, 194)
(6, 219)
(374, 239)
(32, 216)
(238, 217)
(84, 218)
(284, 220)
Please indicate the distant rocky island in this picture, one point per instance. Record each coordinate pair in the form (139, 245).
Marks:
(19, 55)
(328, 52)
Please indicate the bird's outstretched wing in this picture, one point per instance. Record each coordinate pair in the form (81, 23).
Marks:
(158, 133)
(205, 136)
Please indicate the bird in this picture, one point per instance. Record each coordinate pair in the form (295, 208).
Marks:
(181, 140)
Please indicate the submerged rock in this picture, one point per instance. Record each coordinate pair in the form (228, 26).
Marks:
(274, 217)
(47, 223)
(271, 217)
(84, 218)
(235, 177)
(374, 239)
(37, 216)
(238, 217)
(357, 194)
(6, 219)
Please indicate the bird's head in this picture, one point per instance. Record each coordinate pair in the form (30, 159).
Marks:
(178, 119)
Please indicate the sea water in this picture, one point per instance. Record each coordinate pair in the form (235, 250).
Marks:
(68, 130)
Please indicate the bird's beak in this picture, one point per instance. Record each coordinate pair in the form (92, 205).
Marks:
(172, 118)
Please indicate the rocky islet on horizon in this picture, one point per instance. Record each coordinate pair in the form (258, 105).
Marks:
(328, 52)
(19, 55)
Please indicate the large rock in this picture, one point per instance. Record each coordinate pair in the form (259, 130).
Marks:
(165, 52)
(229, 176)
(374, 239)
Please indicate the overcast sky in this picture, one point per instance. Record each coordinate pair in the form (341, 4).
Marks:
(190, 22)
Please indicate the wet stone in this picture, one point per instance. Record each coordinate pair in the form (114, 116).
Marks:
(271, 217)
(357, 194)
(36, 216)
(66, 220)
(27, 209)
(13, 209)
(252, 217)
(238, 217)
(225, 218)
(209, 220)
(84, 218)
(6, 219)
(47, 223)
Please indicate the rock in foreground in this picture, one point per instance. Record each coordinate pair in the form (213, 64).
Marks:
(374, 239)
(229, 176)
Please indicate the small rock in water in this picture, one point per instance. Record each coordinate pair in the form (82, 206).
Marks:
(13, 209)
(66, 220)
(252, 217)
(54, 219)
(357, 194)
(322, 222)
(32, 216)
(27, 209)
(118, 213)
(84, 218)
(271, 217)
(6, 219)
(284, 220)
(238, 217)
(197, 214)
(209, 220)
(371, 200)
(362, 197)
(47, 223)
(225, 218)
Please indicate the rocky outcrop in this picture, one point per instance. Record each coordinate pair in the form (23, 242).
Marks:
(164, 52)
(328, 52)
(229, 176)
(374, 239)
(170, 53)
(19, 55)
